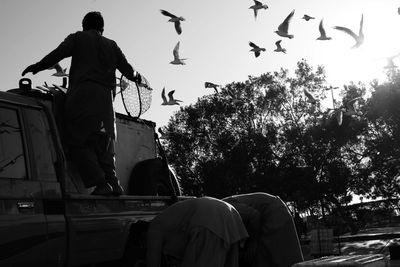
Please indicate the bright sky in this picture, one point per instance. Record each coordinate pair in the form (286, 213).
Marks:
(214, 40)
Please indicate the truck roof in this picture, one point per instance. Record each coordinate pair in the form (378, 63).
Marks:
(18, 99)
(21, 97)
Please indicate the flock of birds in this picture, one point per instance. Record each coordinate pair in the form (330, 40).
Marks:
(283, 31)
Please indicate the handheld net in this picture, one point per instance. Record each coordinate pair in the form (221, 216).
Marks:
(135, 97)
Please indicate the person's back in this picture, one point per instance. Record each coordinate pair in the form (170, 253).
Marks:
(219, 217)
(94, 58)
(198, 232)
(277, 241)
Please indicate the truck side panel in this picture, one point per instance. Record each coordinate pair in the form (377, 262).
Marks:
(44, 158)
(99, 227)
(135, 142)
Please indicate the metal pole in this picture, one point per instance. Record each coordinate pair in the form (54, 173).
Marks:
(333, 98)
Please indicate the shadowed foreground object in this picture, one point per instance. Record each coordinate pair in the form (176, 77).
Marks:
(151, 177)
(273, 239)
(196, 232)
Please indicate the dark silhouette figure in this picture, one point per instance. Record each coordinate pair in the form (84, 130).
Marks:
(151, 177)
(88, 111)
(272, 239)
(300, 225)
(196, 232)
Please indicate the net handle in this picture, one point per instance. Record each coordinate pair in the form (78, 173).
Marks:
(140, 99)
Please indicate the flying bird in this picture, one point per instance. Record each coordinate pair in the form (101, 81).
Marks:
(390, 64)
(358, 38)
(256, 49)
(175, 19)
(307, 17)
(257, 5)
(279, 47)
(211, 85)
(60, 72)
(42, 88)
(60, 88)
(310, 97)
(322, 32)
(177, 60)
(284, 27)
(171, 100)
(46, 89)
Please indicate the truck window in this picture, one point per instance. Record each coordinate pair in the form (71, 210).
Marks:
(43, 149)
(12, 157)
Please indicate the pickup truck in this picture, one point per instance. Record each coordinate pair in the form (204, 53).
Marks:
(47, 217)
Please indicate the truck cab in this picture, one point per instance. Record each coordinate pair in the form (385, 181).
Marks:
(47, 216)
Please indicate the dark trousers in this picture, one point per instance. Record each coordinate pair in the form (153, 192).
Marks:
(95, 159)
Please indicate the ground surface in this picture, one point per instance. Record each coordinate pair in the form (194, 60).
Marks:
(368, 241)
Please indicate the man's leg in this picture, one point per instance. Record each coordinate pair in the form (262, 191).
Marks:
(85, 158)
(106, 158)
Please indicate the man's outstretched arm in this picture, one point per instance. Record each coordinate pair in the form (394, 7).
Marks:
(61, 52)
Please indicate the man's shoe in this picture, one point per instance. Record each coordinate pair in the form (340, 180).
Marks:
(116, 187)
(103, 190)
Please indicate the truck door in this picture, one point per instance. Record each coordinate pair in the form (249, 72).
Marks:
(44, 158)
(23, 228)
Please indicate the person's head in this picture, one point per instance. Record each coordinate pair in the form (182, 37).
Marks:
(93, 21)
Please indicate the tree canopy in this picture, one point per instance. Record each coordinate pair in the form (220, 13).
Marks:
(274, 133)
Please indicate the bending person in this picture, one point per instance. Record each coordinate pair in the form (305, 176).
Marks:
(196, 233)
(273, 240)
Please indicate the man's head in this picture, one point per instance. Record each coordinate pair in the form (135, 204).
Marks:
(93, 21)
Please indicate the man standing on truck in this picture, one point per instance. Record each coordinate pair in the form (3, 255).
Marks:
(89, 113)
(196, 232)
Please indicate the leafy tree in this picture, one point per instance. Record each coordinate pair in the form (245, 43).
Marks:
(380, 171)
(265, 134)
